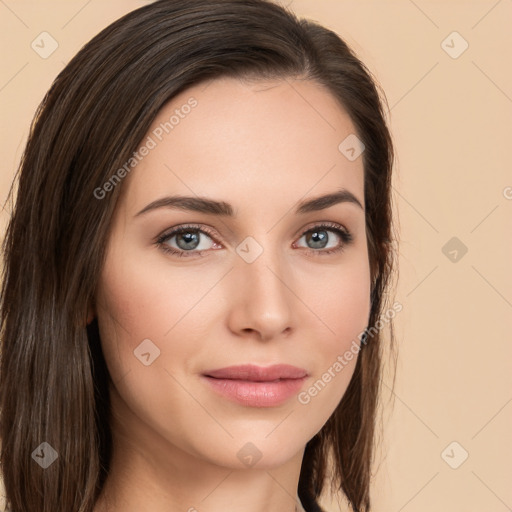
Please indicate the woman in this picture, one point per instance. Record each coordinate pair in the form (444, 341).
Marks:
(195, 270)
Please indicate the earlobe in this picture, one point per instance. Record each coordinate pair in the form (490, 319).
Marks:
(90, 315)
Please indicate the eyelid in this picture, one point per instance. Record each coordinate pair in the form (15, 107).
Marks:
(185, 227)
(321, 223)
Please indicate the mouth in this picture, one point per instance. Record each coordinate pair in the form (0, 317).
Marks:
(256, 386)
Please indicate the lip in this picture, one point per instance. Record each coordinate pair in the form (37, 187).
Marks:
(257, 386)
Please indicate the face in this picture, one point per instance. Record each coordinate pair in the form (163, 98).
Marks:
(229, 341)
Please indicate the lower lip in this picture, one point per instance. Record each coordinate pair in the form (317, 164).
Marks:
(256, 394)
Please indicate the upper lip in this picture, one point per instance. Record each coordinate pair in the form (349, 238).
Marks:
(255, 373)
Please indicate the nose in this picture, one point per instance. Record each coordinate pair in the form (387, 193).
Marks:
(261, 302)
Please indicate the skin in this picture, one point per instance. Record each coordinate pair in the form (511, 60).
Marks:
(261, 146)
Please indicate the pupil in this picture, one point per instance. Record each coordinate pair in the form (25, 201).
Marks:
(189, 238)
(319, 240)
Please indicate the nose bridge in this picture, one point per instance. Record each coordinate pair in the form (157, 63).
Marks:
(263, 298)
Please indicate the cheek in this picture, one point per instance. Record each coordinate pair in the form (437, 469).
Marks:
(156, 309)
(349, 308)
(137, 306)
(137, 303)
(342, 307)
(341, 301)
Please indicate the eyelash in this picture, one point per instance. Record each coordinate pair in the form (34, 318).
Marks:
(343, 233)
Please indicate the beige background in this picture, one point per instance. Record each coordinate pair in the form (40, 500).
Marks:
(452, 123)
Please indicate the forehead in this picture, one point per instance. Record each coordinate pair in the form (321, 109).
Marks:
(227, 137)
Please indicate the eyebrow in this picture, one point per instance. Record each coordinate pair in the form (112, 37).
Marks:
(221, 208)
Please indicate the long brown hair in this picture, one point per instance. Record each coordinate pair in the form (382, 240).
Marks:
(53, 378)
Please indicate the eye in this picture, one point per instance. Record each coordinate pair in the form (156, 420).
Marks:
(321, 243)
(186, 241)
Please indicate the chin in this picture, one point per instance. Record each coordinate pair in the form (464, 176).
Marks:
(252, 451)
